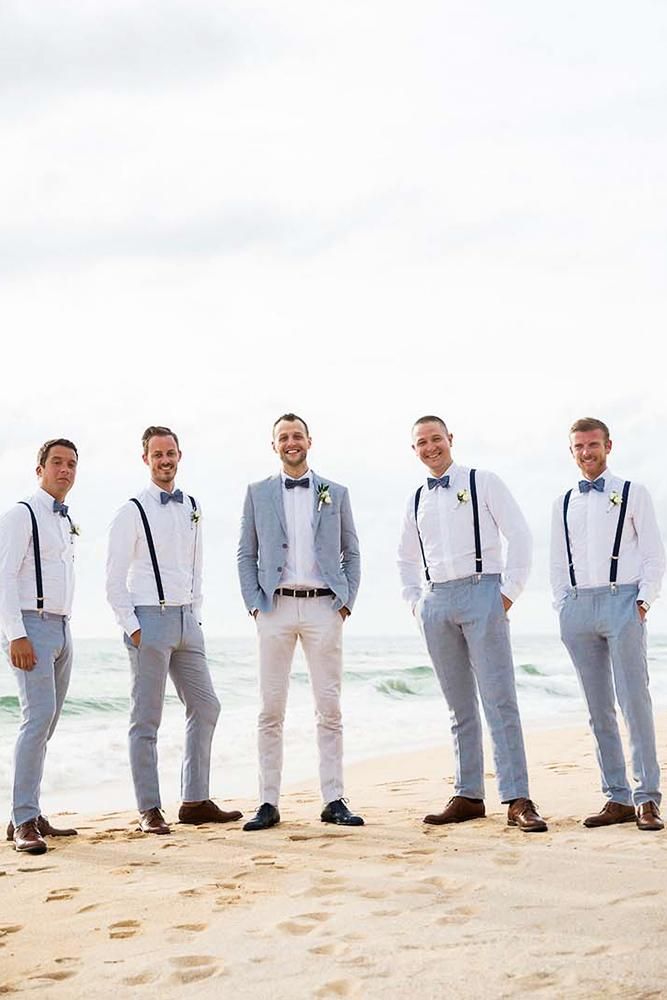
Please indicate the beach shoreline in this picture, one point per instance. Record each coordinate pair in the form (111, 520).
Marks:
(310, 910)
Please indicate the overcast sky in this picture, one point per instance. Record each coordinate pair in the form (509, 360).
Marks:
(361, 211)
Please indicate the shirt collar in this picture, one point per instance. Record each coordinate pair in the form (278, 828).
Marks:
(44, 498)
(607, 475)
(155, 491)
(451, 472)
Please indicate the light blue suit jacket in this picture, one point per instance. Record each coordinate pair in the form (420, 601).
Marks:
(263, 543)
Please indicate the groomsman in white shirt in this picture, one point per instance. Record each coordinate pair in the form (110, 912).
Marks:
(154, 578)
(36, 590)
(451, 567)
(607, 564)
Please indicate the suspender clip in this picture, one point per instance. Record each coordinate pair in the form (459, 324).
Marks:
(613, 588)
(161, 607)
(477, 578)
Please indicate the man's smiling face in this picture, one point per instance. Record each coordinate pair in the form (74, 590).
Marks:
(291, 444)
(432, 443)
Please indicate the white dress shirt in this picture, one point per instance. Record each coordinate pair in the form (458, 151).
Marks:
(178, 546)
(18, 584)
(446, 528)
(300, 568)
(592, 519)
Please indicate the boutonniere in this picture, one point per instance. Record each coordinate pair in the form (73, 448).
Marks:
(614, 500)
(195, 516)
(74, 529)
(323, 495)
(462, 496)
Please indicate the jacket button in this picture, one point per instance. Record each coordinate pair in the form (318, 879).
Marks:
(284, 545)
(279, 569)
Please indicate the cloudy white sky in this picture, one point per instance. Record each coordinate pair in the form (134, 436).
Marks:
(362, 211)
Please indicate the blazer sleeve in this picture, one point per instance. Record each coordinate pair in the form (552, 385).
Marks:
(350, 557)
(247, 555)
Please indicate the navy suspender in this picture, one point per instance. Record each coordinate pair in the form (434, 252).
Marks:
(475, 524)
(38, 558)
(613, 566)
(570, 564)
(421, 544)
(151, 546)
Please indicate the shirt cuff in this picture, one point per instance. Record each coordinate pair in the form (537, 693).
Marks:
(510, 590)
(131, 625)
(16, 630)
(648, 593)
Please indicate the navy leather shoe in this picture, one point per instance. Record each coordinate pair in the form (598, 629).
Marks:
(337, 812)
(265, 817)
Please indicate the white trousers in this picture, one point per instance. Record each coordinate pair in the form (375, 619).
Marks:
(314, 621)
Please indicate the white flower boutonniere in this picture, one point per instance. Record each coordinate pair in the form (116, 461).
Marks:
(462, 496)
(323, 495)
(614, 500)
(74, 529)
(195, 516)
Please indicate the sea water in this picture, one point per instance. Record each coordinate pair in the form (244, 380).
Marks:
(391, 702)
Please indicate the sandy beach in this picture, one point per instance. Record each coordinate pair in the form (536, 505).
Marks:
(396, 909)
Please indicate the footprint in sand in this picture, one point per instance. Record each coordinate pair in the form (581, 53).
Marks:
(326, 949)
(303, 923)
(56, 895)
(124, 929)
(140, 979)
(192, 968)
(36, 868)
(507, 858)
(195, 928)
(459, 915)
(6, 929)
(57, 976)
(339, 988)
(87, 909)
(385, 913)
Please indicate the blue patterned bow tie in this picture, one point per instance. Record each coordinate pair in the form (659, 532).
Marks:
(60, 508)
(291, 483)
(585, 486)
(434, 483)
(177, 495)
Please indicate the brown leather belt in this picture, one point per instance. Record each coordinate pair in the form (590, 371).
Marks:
(317, 592)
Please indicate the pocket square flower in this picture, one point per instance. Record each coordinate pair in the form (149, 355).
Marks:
(323, 495)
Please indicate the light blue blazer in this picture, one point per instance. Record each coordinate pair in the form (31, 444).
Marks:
(263, 543)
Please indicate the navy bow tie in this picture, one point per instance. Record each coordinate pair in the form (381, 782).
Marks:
(60, 508)
(585, 486)
(434, 483)
(291, 483)
(177, 495)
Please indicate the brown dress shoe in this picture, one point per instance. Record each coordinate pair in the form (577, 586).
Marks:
(27, 838)
(44, 828)
(152, 821)
(523, 813)
(612, 812)
(458, 810)
(206, 812)
(648, 817)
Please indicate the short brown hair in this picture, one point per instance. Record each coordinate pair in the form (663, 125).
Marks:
(431, 419)
(43, 452)
(157, 431)
(590, 424)
(291, 417)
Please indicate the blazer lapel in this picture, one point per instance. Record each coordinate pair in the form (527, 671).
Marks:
(276, 484)
(317, 514)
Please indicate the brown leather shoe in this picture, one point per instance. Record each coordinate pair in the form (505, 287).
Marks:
(44, 828)
(27, 838)
(152, 821)
(458, 810)
(206, 812)
(612, 812)
(648, 817)
(523, 813)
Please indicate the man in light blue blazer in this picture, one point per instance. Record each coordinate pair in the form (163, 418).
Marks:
(299, 567)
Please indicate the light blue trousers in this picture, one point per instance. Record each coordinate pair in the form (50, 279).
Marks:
(41, 693)
(467, 637)
(606, 640)
(172, 643)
